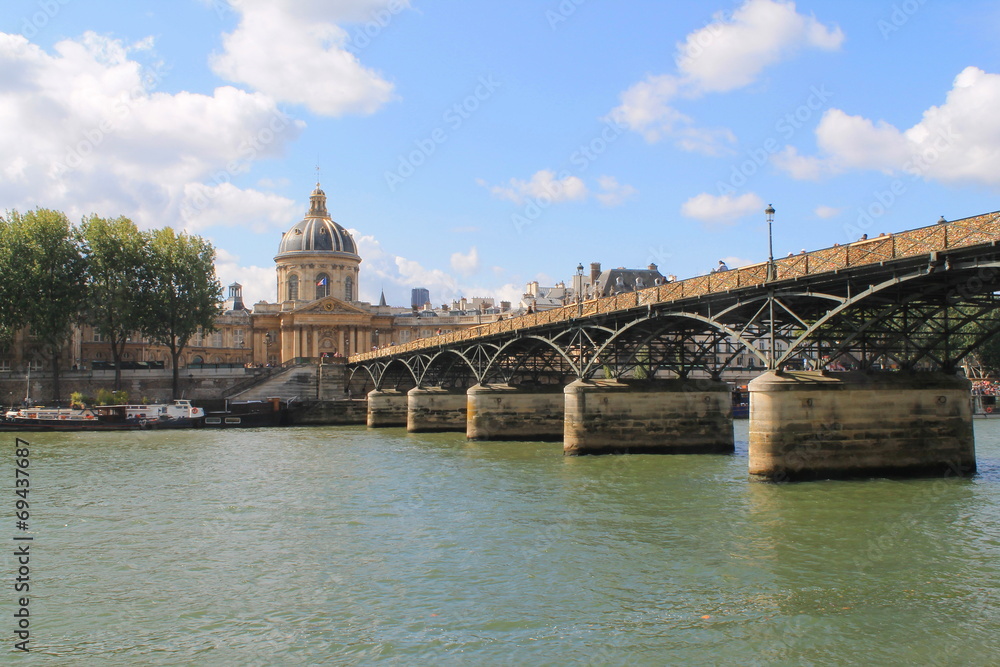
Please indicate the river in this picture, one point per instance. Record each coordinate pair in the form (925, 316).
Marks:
(349, 546)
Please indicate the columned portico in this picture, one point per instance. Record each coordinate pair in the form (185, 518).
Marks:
(648, 417)
(813, 425)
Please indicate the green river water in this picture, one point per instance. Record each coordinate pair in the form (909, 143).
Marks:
(348, 546)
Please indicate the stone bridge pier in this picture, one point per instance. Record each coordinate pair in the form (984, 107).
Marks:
(815, 425)
(515, 412)
(386, 407)
(435, 409)
(648, 417)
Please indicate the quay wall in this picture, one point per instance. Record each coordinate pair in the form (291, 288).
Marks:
(152, 385)
(332, 413)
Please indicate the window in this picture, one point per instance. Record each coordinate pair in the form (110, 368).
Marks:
(293, 287)
(98, 338)
(217, 339)
(349, 288)
(322, 286)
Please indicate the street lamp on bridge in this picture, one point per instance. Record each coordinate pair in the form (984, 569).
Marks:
(769, 212)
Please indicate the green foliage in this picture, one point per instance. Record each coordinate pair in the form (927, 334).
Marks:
(108, 397)
(115, 251)
(44, 279)
(80, 400)
(183, 294)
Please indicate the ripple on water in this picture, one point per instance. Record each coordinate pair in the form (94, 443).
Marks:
(350, 546)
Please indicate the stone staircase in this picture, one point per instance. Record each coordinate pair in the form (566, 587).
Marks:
(299, 381)
(305, 381)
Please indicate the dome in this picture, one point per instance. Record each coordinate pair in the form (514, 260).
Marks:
(317, 232)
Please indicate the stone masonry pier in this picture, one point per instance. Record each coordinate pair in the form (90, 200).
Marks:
(506, 412)
(648, 417)
(812, 425)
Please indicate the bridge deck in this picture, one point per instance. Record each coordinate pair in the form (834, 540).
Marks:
(964, 233)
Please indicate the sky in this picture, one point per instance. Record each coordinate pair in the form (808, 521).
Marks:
(472, 147)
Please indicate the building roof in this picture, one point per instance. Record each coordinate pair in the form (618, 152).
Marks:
(608, 281)
(317, 232)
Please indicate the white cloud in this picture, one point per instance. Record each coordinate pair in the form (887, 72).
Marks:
(86, 131)
(226, 205)
(612, 192)
(802, 167)
(722, 209)
(259, 282)
(729, 53)
(826, 212)
(956, 142)
(381, 269)
(398, 275)
(295, 52)
(543, 186)
(466, 264)
(645, 108)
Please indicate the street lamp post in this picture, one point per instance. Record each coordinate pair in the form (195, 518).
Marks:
(579, 290)
(769, 212)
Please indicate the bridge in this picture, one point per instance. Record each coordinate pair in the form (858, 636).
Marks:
(861, 344)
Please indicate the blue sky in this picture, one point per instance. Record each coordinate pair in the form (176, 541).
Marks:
(472, 146)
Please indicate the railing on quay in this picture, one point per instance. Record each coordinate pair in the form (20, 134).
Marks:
(962, 233)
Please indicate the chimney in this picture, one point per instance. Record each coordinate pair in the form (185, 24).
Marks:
(651, 267)
(595, 272)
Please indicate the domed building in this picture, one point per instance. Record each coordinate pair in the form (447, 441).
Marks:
(317, 257)
(317, 312)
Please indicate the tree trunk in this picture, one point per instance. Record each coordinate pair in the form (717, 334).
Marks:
(55, 376)
(116, 355)
(175, 355)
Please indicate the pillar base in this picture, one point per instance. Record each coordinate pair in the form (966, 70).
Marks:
(435, 409)
(648, 417)
(505, 412)
(386, 408)
(805, 425)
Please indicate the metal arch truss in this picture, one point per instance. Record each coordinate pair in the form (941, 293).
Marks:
(927, 316)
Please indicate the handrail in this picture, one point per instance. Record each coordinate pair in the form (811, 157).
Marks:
(951, 235)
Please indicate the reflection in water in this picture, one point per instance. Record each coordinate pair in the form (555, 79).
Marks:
(350, 546)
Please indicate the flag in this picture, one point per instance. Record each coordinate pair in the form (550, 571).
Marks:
(321, 282)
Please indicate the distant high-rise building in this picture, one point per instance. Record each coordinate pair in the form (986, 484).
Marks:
(419, 296)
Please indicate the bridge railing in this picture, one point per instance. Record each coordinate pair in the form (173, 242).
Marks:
(924, 240)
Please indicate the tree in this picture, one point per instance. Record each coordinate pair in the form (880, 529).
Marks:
(182, 294)
(46, 273)
(115, 250)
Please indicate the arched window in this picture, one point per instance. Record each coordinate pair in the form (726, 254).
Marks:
(293, 287)
(349, 288)
(322, 286)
